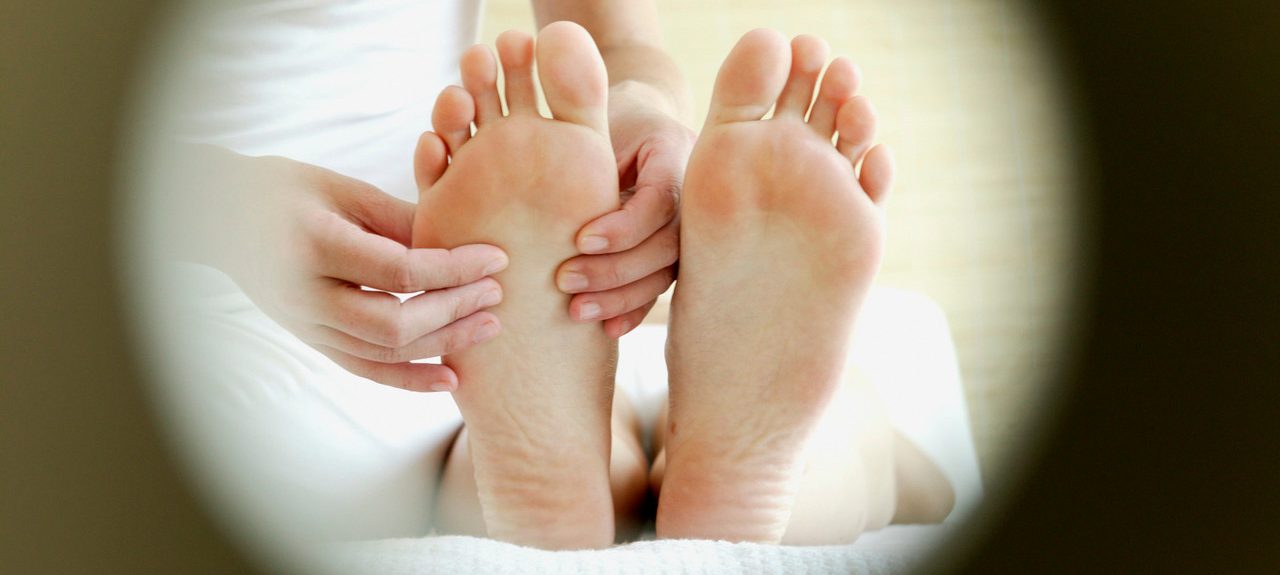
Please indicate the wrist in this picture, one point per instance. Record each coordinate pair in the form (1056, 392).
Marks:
(646, 74)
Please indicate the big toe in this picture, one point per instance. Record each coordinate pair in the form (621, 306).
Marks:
(573, 76)
(751, 78)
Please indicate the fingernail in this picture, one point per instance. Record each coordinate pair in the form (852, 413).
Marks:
(593, 244)
(441, 386)
(496, 266)
(623, 328)
(572, 282)
(589, 310)
(491, 298)
(485, 332)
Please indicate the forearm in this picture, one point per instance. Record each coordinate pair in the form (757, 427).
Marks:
(630, 40)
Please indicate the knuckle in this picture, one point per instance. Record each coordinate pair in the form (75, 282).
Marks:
(395, 333)
(403, 277)
(457, 306)
(389, 354)
(450, 342)
(616, 276)
(669, 191)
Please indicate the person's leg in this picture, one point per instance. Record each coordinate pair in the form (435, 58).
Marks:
(536, 400)
(781, 237)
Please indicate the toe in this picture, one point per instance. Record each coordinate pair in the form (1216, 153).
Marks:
(808, 53)
(480, 78)
(452, 117)
(573, 76)
(515, 50)
(877, 173)
(751, 78)
(839, 83)
(429, 160)
(856, 123)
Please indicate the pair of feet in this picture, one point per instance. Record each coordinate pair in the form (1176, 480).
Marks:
(780, 239)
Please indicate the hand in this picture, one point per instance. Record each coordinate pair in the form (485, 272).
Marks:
(301, 241)
(632, 252)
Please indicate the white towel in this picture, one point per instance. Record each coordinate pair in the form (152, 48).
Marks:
(892, 550)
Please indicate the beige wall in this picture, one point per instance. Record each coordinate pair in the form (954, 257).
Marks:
(982, 218)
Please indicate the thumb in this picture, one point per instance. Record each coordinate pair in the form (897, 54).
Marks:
(378, 211)
(661, 168)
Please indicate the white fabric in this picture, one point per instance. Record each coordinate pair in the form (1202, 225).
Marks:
(903, 343)
(895, 549)
(345, 85)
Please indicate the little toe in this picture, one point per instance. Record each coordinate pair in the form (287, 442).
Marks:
(877, 173)
(808, 54)
(430, 159)
(480, 78)
(856, 123)
(515, 50)
(839, 83)
(452, 117)
(573, 76)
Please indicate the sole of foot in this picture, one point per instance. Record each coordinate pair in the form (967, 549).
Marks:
(781, 236)
(536, 399)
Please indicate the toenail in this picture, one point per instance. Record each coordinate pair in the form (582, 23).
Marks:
(589, 310)
(572, 282)
(485, 332)
(441, 386)
(491, 298)
(593, 244)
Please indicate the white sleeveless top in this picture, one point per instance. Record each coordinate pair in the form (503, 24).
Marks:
(346, 85)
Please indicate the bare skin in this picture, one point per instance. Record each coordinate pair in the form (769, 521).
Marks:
(767, 441)
(750, 379)
(537, 401)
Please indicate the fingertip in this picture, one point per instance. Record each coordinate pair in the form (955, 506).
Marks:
(494, 257)
(443, 378)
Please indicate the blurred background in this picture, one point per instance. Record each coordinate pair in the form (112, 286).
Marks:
(983, 216)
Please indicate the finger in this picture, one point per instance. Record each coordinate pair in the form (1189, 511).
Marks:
(351, 254)
(617, 327)
(410, 376)
(593, 273)
(615, 302)
(474, 329)
(380, 318)
(654, 204)
(377, 211)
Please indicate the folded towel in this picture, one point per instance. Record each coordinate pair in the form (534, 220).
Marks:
(893, 550)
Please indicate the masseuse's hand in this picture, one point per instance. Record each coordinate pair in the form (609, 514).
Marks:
(631, 253)
(304, 239)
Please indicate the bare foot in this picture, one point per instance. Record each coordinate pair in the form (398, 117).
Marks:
(781, 237)
(536, 400)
